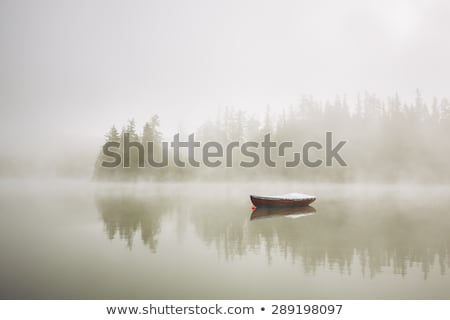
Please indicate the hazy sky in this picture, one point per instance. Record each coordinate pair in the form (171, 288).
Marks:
(70, 69)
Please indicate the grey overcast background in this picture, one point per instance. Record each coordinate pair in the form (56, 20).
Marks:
(71, 69)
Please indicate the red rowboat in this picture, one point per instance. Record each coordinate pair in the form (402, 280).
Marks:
(285, 200)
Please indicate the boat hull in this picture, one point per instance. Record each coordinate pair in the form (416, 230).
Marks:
(268, 202)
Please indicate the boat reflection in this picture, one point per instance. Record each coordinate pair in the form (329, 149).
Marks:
(288, 212)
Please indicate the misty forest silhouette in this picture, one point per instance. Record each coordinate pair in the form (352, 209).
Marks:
(387, 141)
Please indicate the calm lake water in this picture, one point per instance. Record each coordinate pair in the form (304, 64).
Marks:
(77, 240)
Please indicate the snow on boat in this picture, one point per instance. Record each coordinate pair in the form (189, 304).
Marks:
(285, 200)
(287, 212)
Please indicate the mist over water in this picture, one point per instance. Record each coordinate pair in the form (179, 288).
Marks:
(76, 76)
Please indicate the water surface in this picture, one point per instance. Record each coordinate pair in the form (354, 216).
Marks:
(78, 240)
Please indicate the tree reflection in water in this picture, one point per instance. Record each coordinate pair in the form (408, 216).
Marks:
(397, 232)
(124, 215)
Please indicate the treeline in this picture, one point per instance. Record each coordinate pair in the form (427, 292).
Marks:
(388, 140)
